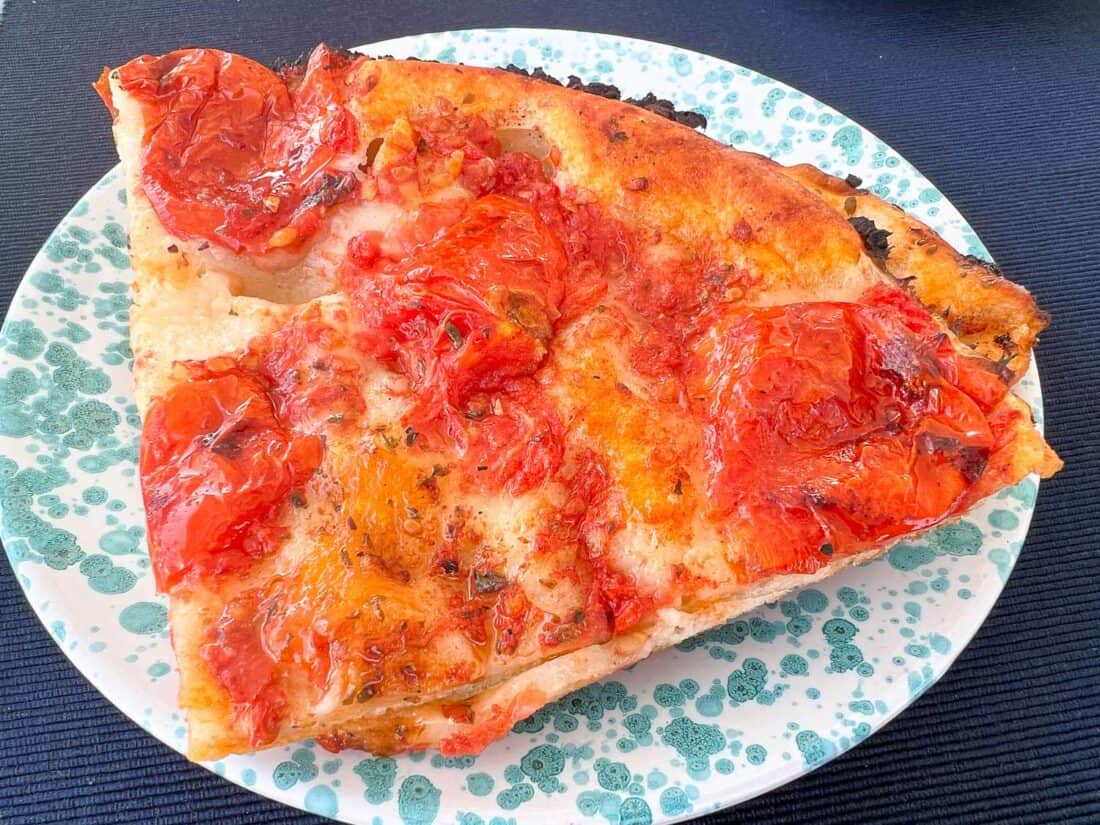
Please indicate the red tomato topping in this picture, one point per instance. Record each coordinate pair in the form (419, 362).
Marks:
(582, 527)
(241, 665)
(834, 426)
(468, 616)
(626, 606)
(445, 134)
(466, 318)
(232, 154)
(470, 309)
(595, 244)
(517, 444)
(216, 463)
(312, 374)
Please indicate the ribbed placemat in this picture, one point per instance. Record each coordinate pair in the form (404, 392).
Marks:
(998, 105)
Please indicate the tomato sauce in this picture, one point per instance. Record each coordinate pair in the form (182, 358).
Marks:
(314, 377)
(582, 526)
(510, 619)
(490, 725)
(236, 155)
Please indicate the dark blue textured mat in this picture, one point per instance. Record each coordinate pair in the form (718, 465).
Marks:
(998, 105)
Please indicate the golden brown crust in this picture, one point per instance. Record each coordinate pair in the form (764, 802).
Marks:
(655, 171)
(984, 309)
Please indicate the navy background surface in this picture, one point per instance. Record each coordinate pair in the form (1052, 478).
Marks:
(998, 105)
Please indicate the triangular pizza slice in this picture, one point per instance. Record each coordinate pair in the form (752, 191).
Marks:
(462, 389)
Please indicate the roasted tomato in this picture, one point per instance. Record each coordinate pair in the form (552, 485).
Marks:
(833, 426)
(514, 440)
(235, 156)
(216, 465)
(472, 307)
(314, 376)
(466, 318)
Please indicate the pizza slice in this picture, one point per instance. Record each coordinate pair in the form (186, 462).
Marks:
(462, 389)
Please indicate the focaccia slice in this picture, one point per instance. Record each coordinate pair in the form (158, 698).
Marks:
(462, 389)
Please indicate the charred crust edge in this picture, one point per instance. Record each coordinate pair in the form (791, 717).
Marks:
(284, 65)
(876, 241)
(649, 102)
(989, 266)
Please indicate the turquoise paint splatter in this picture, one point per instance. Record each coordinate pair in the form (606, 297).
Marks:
(418, 800)
(681, 64)
(746, 683)
(692, 739)
(848, 596)
(104, 577)
(511, 798)
(814, 749)
(635, 811)
(668, 696)
(307, 765)
(793, 665)
(959, 539)
(674, 802)
(1004, 520)
(712, 703)
(849, 139)
(322, 800)
(940, 644)
(812, 601)
(144, 618)
(919, 681)
(286, 775)
(378, 775)
(1002, 560)
(479, 784)
(905, 556)
(543, 764)
(614, 776)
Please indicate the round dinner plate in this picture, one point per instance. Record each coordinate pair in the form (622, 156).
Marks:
(718, 719)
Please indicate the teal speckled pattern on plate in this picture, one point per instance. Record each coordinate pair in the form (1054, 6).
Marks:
(716, 720)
